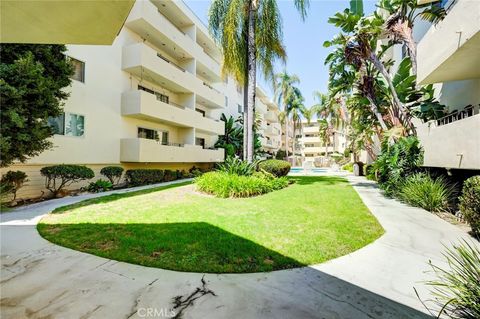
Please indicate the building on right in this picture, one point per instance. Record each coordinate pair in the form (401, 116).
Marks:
(448, 56)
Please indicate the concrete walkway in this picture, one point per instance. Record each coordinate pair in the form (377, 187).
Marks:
(43, 280)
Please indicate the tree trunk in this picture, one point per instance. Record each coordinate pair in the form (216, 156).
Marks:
(407, 123)
(375, 111)
(252, 73)
(412, 49)
(245, 119)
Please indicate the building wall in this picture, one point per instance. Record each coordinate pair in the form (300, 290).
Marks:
(108, 78)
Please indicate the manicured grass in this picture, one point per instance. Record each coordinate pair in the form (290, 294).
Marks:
(309, 222)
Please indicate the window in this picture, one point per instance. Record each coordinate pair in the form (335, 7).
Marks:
(226, 101)
(200, 141)
(240, 108)
(201, 112)
(68, 124)
(159, 136)
(78, 69)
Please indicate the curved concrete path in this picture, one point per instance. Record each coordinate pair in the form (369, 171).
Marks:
(43, 280)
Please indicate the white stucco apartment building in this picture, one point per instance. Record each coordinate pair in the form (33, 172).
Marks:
(311, 145)
(152, 99)
(270, 128)
(449, 58)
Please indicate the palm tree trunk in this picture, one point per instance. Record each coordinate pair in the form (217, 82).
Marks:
(252, 70)
(412, 49)
(245, 119)
(286, 136)
(407, 123)
(375, 111)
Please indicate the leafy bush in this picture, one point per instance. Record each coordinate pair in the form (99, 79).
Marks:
(11, 182)
(396, 162)
(432, 194)
(99, 186)
(470, 203)
(281, 155)
(113, 173)
(59, 176)
(456, 290)
(169, 176)
(369, 172)
(138, 177)
(224, 185)
(233, 165)
(348, 167)
(275, 167)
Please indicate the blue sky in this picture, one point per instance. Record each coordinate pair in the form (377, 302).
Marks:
(303, 40)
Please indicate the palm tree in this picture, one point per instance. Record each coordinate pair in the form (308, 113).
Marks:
(283, 86)
(247, 31)
(403, 14)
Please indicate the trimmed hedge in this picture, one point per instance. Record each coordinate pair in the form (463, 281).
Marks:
(113, 173)
(224, 185)
(470, 203)
(138, 177)
(59, 176)
(275, 167)
(11, 182)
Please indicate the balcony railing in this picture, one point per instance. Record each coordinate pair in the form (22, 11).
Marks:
(172, 63)
(211, 87)
(456, 115)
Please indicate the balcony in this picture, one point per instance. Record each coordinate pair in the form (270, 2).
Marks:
(271, 117)
(449, 51)
(260, 107)
(453, 145)
(145, 106)
(145, 62)
(141, 150)
(316, 149)
(271, 130)
(310, 129)
(310, 139)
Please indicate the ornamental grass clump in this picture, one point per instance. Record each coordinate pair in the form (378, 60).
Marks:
(222, 184)
(432, 194)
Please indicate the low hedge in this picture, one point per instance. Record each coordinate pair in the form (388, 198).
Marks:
(138, 177)
(59, 176)
(113, 173)
(224, 185)
(470, 203)
(276, 167)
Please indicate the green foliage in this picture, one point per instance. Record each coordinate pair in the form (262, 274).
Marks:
(11, 182)
(470, 203)
(99, 186)
(281, 155)
(348, 167)
(233, 165)
(369, 172)
(232, 140)
(113, 173)
(396, 162)
(275, 167)
(59, 176)
(456, 289)
(432, 194)
(138, 177)
(32, 82)
(224, 185)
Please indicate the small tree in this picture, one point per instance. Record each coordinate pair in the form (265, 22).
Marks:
(32, 79)
(11, 182)
(59, 176)
(113, 173)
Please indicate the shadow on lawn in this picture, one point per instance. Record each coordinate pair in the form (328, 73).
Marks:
(298, 293)
(193, 247)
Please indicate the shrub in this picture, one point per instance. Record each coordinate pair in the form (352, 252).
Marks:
(348, 167)
(470, 203)
(169, 176)
(432, 194)
(99, 186)
(11, 182)
(276, 167)
(233, 165)
(456, 290)
(281, 155)
(224, 185)
(138, 177)
(369, 172)
(113, 173)
(59, 176)
(396, 162)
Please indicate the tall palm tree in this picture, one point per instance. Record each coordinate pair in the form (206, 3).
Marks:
(403, 15)
(284, 92)
(250, 35)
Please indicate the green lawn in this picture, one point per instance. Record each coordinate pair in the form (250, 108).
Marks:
(309, 222)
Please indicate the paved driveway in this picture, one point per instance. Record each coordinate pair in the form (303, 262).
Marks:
(42, 280)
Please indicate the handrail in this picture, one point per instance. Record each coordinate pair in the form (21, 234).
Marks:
(211, 87)
(456, 115)
(168, 61)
